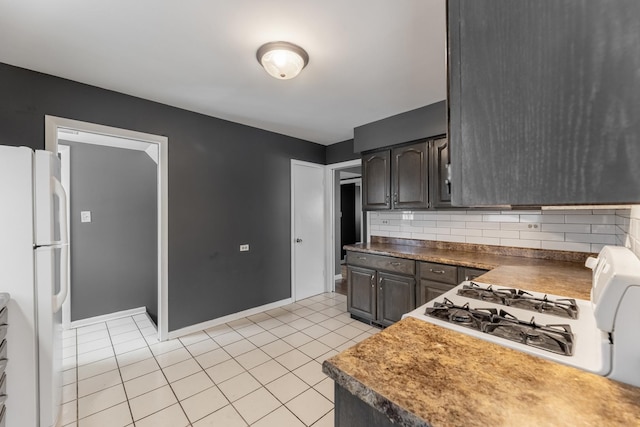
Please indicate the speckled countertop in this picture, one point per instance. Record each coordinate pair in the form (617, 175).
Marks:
(509, 268)
(420, 374)
(423, 375)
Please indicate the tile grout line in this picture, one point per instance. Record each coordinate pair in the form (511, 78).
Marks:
(115, 356)
(236, 329)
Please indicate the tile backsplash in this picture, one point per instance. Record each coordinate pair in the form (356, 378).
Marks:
(579, 230)
(628, 228)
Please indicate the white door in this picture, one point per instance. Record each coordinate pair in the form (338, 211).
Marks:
(308, 229)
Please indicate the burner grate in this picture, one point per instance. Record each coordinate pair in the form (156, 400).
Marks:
(562, 307)
(554, 338)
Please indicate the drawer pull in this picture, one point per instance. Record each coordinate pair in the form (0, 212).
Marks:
(436, 271)
(362, 257)
(395, 263)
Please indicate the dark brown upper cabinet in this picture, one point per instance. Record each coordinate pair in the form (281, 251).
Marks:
(440, 168)
(544, 102)
(410, 177)
(396, 178)
(376, 172)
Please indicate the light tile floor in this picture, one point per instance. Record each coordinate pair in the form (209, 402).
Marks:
(263, 370)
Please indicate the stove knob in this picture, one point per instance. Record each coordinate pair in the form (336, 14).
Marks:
(591, 262)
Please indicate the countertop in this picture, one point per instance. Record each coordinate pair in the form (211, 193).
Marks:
(420, 374)
(566, 277)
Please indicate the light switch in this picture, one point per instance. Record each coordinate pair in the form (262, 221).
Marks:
(85, 216)
(244, 248)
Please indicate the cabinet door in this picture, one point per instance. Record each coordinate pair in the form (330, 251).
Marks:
(410, 177)
(361, 292)
(376, 173)
(543, 101)
(428, 290)
(440, 175)
(396, 296)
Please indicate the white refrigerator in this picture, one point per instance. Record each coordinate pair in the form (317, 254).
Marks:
(33, 268)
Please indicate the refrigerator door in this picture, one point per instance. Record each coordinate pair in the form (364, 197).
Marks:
(49, 205)
(51, 265)
(17, 275)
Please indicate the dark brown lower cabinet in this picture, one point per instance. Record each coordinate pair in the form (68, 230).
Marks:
(361, 292)
(396, 296)
(467, 273)
(350, 411)
(435, 279)
(380, 289)
(428, 290)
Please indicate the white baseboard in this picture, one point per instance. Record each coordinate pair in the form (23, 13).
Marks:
(228, 318)
(106, 317)
(337, 277)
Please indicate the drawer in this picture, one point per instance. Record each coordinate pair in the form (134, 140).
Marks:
(467, 273)
(439, 272)
(382, 263)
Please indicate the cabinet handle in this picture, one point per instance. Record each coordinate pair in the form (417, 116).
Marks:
(394, 263)
(380, 280)
(395, 197)
(362, 257)
(380, 287)
(386, 199)
(372, 281)
(436, 271)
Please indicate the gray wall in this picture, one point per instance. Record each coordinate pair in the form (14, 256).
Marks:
(427, 121)
(228, 184)
(114, 257)
(341, 152)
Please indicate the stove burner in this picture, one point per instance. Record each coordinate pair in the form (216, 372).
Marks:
(555, 338)
(532, 334)
(562, 307)
(461, 315)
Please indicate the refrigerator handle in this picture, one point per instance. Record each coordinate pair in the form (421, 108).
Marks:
(58, 189)
(59, 298)
(64, 240)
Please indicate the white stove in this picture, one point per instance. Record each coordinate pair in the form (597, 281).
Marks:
(601, 335)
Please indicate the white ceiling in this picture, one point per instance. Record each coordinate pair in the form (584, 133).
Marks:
(369, 59)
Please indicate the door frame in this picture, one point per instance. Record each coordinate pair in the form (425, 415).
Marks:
(292, 236)
(358, 183)
(53, 123)
(65, 179)
(330, 219)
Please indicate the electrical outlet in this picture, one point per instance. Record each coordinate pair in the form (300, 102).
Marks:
(85, 216)
(244, 248)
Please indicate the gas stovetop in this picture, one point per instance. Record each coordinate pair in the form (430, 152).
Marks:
(555, 338)
(549, 326)
(562, 307)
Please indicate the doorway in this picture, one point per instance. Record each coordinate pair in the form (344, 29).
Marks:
(308, 237)
(90, 137)
(350, 171)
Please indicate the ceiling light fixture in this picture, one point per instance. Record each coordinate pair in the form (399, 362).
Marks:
(283, 60)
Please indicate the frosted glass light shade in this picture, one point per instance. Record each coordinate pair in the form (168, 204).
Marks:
(282, 60)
